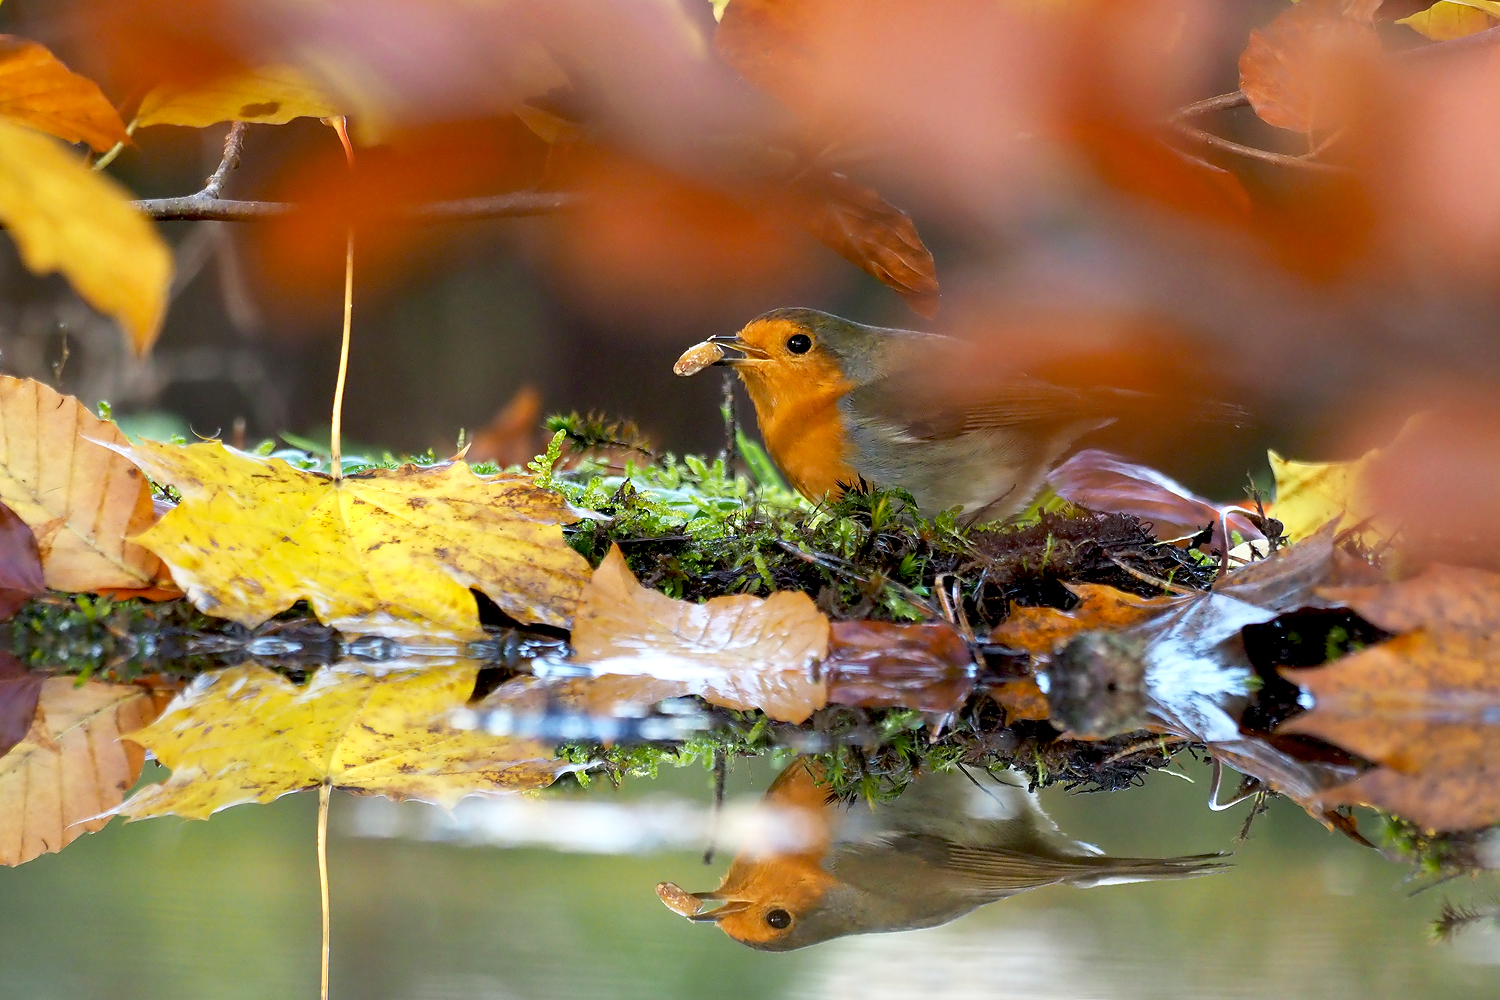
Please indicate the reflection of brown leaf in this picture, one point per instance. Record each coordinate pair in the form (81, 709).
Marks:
(880, 664)
(741, 652)
(19, 690)
(1442, 800)
(1295, 71)
(71, 766)
(1022, 700)
(38, 90)
(1452, 597)
(607, 695)
(1043, 631)
(1420, 704)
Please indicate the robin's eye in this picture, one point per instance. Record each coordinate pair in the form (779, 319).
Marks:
(797, 343)
(780, 919)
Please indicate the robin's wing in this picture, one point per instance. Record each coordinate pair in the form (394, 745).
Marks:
(927, 411)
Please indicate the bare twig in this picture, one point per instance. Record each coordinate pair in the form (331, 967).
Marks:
(1180, 120)
(503, 206)
(234, 145)
(1211, 104)
(1194, 134)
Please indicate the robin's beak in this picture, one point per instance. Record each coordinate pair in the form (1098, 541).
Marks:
(732, 342)
(727, 907)
(690, 904)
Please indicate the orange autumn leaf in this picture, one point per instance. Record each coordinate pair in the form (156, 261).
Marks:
(740, 652)
(38, 90)
(1297, 70)
(81, 500)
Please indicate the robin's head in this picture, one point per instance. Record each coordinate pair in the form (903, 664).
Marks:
(787, 351)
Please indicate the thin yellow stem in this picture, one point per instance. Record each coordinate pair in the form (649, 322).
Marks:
(324, 791)
(338, 390)
(340, 125)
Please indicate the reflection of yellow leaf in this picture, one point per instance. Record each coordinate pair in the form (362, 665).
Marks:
(390, 551)
(38, 90)
(71, 766)
(271, 95)
(81, 500)
(249, 735)
(65, 217)
(741, 652)
(1450, 19)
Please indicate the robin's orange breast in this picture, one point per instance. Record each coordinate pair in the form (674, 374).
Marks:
(804, 434)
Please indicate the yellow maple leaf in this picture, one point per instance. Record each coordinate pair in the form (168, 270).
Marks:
(80, 500)
(65, 217)
(393, 551)
(38, 90)
(247, 734)
(270, 95)
(741, 652)
(71, 767)
(1310, 494)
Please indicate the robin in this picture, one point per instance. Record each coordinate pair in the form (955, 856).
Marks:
(947, 845)
(842, 404)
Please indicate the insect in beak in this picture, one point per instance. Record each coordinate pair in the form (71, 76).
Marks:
(732, 342)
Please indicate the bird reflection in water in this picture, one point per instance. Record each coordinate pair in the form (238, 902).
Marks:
(949, 843)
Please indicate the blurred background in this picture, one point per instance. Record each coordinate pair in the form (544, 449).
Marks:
(1063, 233)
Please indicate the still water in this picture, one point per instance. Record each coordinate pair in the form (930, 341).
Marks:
(228, 910)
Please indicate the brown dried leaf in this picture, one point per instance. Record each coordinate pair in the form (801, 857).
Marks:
(511, 437)
(1100, 481)
(80, 499)
(740, 652)
(71, 767)
(872, 234)
(38, 90)
(21, 576)
(1296, 71)
(880, 664)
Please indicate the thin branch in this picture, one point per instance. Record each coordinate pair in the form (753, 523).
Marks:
(1478, 40)
(198, 207)
(234, 144)
(1208, 105)
(1212, 141)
